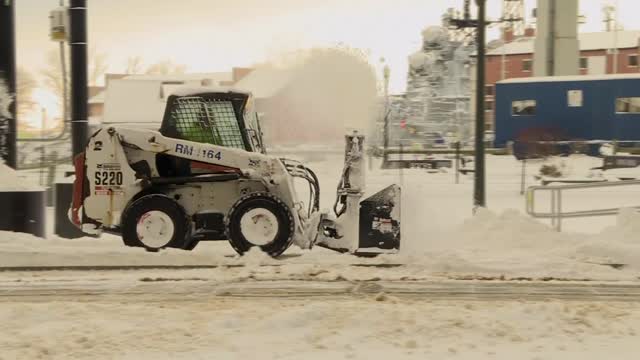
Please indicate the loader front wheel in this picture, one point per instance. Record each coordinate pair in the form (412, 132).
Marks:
(262, 220)
(155, 222)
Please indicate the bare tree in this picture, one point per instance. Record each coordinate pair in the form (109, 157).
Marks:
(166, 67)
(52, 73)
(98, 65)
(25, 85)
(134, 65)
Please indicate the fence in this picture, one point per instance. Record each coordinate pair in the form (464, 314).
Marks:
(556, 213)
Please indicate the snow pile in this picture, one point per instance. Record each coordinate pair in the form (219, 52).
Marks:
(507, 245)
(440, 238)
(5, 100)
(617, 244)
(622, 174)
(512, 245)
(10, 180)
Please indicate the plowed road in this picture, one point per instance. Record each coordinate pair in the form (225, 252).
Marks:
(177, 285)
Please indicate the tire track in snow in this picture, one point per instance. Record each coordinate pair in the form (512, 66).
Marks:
(46, 268)
(196, 289)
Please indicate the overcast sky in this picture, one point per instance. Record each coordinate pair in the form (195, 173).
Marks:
(215, 35)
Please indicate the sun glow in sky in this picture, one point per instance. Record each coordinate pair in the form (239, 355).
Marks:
(46, 112)
(215, 35)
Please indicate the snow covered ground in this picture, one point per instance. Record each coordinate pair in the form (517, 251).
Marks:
(442, 241)
(11, 180)
(377, 327)
(440, 236)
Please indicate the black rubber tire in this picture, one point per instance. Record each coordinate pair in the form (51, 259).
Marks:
(155, 202)
(286, 224)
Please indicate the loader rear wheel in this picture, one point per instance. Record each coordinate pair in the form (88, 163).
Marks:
(260, 219)
(155, 222)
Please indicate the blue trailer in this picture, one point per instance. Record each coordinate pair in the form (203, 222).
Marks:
(560, 108)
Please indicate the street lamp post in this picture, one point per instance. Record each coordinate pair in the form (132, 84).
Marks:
(79, 83)
(8, 73)
(479, 196)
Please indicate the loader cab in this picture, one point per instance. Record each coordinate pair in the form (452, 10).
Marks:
(218, 118)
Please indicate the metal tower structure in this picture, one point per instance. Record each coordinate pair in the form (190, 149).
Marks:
(557, 49)
(513, 16)
(610, 14)
(460, 24)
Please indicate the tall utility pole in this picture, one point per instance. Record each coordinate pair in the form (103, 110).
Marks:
(480, 24)
(8, 127)
(79, 82)
(479, 196)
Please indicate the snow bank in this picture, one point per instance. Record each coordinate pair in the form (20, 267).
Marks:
(513, 245)
(10, 180)
(440, 238)
(5, 100)
(507, 245)
(618, 244)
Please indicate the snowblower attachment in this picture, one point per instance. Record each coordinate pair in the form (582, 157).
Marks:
(368, 227)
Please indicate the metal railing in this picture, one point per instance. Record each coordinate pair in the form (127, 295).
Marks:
(557, 215)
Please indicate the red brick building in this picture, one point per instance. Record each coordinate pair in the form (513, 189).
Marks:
(514, 59)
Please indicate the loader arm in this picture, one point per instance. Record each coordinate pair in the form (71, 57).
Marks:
(154, 142)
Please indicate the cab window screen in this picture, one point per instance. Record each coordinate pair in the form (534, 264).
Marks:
(207, 121)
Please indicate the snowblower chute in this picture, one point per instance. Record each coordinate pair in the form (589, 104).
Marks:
(205, 175)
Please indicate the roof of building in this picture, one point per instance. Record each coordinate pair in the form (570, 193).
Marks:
(98, 98)
(570, 78)
(588, 41)
(215, 76)
(197, 90)
(265, 82)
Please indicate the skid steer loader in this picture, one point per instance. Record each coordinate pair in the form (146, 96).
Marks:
(205, 175)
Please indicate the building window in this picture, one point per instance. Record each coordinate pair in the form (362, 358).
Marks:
(523, 107)
(633, 60)
(629, 105)
(584, 63)
(488, 105)
(574, 98)
(168, 87)
(527, 65)
(489, 90)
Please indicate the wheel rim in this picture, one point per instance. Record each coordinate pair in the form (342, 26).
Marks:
(259, 226)
(155, 229)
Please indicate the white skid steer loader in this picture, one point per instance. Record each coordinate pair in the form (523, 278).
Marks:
(205, 175)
